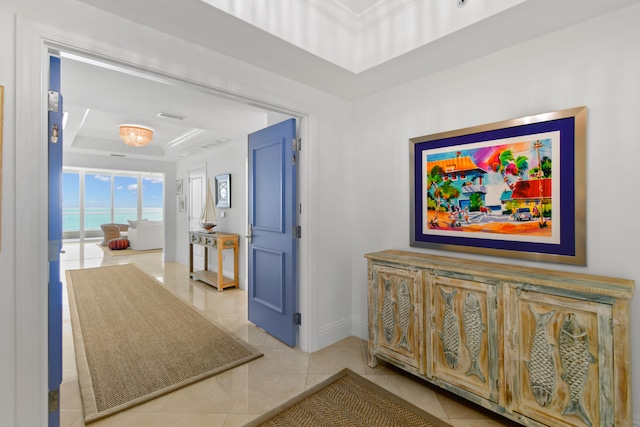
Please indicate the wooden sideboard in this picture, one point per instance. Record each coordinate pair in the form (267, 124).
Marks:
(539, 347)
(219, 241)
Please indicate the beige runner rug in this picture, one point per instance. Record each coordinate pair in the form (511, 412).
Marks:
(135, 341)
(349, 400)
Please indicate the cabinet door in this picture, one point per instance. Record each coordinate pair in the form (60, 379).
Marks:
(464, 334)
(559, 355)
(396, 317)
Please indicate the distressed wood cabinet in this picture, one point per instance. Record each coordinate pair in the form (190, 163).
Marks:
(540, 347)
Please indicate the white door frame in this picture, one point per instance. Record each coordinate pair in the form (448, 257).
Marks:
(34, 40)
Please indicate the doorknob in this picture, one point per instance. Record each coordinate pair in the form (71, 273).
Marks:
(250, 235)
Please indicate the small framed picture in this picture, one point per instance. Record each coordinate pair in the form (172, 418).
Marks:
(178, 187)
(182, 203)
(223, 191)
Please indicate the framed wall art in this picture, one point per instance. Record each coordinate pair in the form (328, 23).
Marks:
(514, 188)
(182, 203)
(223, 191)
(178, 187)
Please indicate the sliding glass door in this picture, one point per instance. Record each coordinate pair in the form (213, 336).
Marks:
(95, 197)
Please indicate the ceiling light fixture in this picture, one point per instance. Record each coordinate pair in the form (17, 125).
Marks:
(135, 136)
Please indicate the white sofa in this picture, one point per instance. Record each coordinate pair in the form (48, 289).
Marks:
(145, 235)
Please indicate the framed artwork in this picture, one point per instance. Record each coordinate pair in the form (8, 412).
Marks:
(178, 187)
(514, 188)
(223, 191)
(182, 203)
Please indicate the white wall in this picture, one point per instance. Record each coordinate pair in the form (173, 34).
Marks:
(596, 64)
(167, 168)
(7, 229)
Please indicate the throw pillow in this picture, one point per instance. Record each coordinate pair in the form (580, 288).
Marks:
(118, 244)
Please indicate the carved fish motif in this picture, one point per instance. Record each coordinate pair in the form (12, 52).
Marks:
(575, 358)
(450, 331)
(473, 328)
(404, 313)
(542, 369)
(388, 318)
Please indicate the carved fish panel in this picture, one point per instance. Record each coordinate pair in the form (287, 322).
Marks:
(463, 319)
(573, 342)
(541, 365)
(561, 380)
(450, 331)
(473, 330)
(398, 321)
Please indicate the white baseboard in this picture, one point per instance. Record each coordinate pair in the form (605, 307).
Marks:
(636, 421)
(334, 332)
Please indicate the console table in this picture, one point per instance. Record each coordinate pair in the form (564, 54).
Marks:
(221, 241)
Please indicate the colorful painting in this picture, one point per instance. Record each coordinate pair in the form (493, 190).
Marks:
(505, 189)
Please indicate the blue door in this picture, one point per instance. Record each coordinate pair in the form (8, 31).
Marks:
(273, 296)
(55, 240)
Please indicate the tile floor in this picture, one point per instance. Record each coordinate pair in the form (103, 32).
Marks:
(237, 396)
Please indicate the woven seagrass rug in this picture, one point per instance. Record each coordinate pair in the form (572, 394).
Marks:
(135, 341)
(349, 400)
(123, 252)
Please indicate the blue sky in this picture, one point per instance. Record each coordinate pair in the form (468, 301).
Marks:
(98, 191)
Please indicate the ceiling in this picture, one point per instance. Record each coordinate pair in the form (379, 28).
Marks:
(98, 98)
(350, 48)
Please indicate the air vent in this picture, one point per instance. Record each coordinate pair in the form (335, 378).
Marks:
(117, 155)
(169, 116)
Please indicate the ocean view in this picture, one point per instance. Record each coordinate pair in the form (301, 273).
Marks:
(94, 217)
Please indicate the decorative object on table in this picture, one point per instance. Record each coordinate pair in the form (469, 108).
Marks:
(136, 136)
(182, 203)
(223, 191)
(208, 216)
(1, 131)
(347, 399)
(137, 363)
(178, 187)
(514, 188)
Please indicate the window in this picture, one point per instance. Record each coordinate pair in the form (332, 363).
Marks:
(71, 202)
(97, 200)
(91, 198)
(152, 191)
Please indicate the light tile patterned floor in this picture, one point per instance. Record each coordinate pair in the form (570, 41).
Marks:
(237, 396)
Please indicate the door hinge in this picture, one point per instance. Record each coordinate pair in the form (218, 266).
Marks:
(297, 232)
(54, 101)
(297, 318)
(296, 144)
(54, 400)
(54, 250)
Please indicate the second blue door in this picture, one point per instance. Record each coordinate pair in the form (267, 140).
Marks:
(273, 297)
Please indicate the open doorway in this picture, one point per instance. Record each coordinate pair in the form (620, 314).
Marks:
(198, 293)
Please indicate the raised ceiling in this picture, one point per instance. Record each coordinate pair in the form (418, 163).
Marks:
(350, 48)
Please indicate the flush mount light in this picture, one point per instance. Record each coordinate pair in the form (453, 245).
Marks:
(135, 136)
